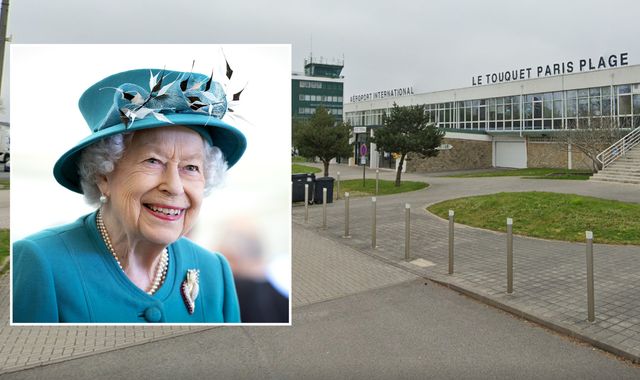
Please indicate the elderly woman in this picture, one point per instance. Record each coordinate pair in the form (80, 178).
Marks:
(157, 147)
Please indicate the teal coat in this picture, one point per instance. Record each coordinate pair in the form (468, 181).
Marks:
(67, 274)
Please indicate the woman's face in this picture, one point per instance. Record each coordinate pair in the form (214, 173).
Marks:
(156, 189)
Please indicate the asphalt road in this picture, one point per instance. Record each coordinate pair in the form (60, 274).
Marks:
(410, 330)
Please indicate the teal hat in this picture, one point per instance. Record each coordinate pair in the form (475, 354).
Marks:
(151, 98)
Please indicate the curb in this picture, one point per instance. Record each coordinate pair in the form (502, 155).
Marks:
(548, 324)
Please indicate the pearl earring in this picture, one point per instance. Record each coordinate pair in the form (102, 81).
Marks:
(103, 199)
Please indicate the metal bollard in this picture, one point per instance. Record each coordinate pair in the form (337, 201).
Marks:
(407, 231)
(509, 255)
(590, 290)
(377, 178)
(338, 186)
(373, 224)
(324, 207)
(306, 202)
(451, 221)
(346, 215)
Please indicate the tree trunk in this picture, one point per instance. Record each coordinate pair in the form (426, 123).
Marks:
(326, 167)
(399, 172)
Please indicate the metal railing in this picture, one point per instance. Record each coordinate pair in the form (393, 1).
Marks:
(619, 148)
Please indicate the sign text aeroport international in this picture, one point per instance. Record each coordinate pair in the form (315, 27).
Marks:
(585, 64)
(401, 91)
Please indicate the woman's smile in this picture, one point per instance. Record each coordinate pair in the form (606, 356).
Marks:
(165, 212)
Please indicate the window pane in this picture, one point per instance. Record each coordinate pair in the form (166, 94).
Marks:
(528, 111)
(571, 108)
(606, 106)
(583, 107)
(572, 94)
(595, 107)
(625, 104)
(594, 91)
(557, 95)
(516, 111)
(624, 89)
(583, 93)
(507, 112)
(547, 109)
(557, 109)
(636, 104)
(537, 110)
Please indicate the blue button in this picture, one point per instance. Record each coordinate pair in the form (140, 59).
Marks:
(153, 314)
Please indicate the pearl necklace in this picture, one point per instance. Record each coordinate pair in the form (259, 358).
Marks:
(161, 272)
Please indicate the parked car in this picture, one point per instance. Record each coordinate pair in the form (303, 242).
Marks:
(6, 166)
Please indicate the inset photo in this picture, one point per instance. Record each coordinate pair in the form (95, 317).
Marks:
(150, 184)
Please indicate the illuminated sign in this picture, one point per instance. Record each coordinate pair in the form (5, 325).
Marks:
(585, 64)
(401, 91)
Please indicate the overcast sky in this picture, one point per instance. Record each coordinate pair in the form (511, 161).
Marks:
(431, 45)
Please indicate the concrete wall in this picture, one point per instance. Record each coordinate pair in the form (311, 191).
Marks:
(465, 154)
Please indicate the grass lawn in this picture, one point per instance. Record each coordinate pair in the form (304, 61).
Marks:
(355, 188)
(301, 169)
(298, 159)
(4, 184)
(534, 173)
(549, 215)
(4, 244)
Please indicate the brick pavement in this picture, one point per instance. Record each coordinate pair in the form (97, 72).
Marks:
(24, 347)
(323, 270)
(550, 276)
(549, 280)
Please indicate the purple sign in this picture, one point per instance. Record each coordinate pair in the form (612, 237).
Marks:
(363, 150)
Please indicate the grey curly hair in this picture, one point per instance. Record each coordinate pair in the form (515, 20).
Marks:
(101, 158)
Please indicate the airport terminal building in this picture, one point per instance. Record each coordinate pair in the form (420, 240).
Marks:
(507, 119)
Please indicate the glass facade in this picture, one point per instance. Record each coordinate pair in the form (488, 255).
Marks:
(529, 112)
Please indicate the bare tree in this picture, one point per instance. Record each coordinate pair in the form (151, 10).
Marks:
(591, 136)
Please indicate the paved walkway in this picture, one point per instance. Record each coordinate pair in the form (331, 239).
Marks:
(395, 325)
(24, 347)
(549, 280)
(322, 270)
(550, 276)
